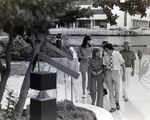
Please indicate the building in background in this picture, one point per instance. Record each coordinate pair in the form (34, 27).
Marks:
(99, 19)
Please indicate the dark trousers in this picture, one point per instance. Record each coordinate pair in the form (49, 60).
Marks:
(96, 85)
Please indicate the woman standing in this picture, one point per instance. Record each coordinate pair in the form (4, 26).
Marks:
(85, 53)
(96, 77)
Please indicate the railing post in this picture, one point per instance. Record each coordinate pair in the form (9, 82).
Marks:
(139, 69)
(71, 89)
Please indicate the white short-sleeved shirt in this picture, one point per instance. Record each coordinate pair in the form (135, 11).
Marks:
(117, 60)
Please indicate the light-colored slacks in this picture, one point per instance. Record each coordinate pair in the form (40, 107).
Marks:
(113, 84)
(125, 85)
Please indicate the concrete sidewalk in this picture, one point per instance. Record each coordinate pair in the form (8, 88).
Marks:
(137, 108)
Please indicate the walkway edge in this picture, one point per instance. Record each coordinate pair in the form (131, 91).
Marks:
(101, 114)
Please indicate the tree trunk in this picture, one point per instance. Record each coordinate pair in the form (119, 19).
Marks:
(6, 71)
(26, 84)
(24, 91)
(4, 78)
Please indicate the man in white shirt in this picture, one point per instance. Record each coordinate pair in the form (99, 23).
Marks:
(112, 62)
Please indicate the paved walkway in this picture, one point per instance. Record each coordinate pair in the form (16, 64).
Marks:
(137, 108)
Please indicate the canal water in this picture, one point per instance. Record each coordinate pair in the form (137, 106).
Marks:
(135, 40)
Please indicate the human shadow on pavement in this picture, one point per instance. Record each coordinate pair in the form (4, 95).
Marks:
(130, 112)
(144, 86)
(116, 115)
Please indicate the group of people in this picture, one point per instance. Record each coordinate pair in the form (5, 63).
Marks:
(105, 65)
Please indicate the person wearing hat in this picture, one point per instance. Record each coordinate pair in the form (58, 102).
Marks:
(129, 57)
(112, 62)
(85, 53)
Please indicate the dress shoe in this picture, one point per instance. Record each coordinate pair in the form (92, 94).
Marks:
(117, 106)
(83, 96)
(126, 99)
(112, 110)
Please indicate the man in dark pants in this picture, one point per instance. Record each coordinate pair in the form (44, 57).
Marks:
(129, 57)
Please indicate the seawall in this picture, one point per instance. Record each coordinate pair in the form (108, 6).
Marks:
(145, 50)
(99, 32)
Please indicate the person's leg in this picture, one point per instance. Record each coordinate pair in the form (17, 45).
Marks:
(116, 77)
(126, 83)
(93, 88)
(128, 75)
(110, 89)
(88, 83)
(124, 86)
(100, 91)
(83, 81)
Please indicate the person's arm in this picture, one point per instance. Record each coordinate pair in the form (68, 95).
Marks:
(79, 54)
(124, 71)
(90, 68)
(104, 73)
(101, 70)
(133, 64)
(122, 62)
(104, 66)
(104, 70)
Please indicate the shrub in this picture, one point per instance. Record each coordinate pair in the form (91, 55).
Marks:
(66, 110)
(65, 46)
(22, 51)
(7, 114)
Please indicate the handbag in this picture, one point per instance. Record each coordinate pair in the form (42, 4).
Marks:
(79, 59)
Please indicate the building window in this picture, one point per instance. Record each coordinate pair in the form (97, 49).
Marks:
(84, 23)
(101, 23)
